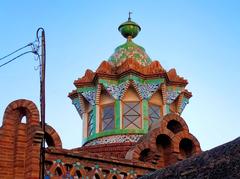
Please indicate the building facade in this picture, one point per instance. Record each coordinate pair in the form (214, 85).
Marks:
(131, 110)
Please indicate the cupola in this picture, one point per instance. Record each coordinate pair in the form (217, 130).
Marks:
(128, 95)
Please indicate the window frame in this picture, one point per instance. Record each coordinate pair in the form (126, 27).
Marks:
(160, 112)
(101, 118)
(140, 113)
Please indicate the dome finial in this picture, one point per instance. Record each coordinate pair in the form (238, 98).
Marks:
(129, 29)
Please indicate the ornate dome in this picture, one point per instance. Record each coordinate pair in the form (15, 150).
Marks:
(129, 50)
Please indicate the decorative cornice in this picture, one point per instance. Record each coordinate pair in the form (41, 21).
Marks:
(87, 78)
(130, 66)
(173, 77)
(72, 95)
(187, 93)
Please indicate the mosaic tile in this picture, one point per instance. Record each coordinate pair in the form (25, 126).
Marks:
(77, 105)
(90, 96)
(147, 90)
(130, 50)
(116, 90)
(115, 139)
(172, 95)
(185, 101)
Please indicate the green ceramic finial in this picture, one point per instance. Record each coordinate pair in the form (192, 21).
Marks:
(129, 29)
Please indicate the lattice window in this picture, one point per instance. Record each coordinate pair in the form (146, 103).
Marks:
(131, 115)
(154, 113)
(108, 121)
(90, 123)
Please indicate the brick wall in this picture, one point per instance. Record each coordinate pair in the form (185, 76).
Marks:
(19, 142)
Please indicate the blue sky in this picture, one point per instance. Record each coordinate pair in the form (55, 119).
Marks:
(198, 38)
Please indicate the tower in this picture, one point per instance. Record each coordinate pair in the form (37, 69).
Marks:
(127, 98)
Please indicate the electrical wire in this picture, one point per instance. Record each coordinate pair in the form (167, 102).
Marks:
(30, 44)
(35, 47)
(15, 58)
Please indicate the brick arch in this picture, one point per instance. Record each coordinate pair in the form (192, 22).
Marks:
(96, 171)
(172, 158)
(156, 132)
(175, 138)
(55, 166)
(20, 141)
(54, 137)
(19, 108)
(186, 135)
(111, 175)
(131, 176)
(145, 155)
(134, 153)
(82, 171)
(149, 142)
(173, 116)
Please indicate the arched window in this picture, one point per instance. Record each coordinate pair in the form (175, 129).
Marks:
(131, 106)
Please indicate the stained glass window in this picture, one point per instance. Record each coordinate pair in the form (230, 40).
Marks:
(154, 113)
(90, 123)
(108, 117)
(131, 115)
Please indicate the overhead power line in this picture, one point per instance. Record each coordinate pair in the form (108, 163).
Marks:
(15, 58)
(35, 48)
(16, 51)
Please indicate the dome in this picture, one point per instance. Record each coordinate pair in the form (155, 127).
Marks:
(129, 50)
